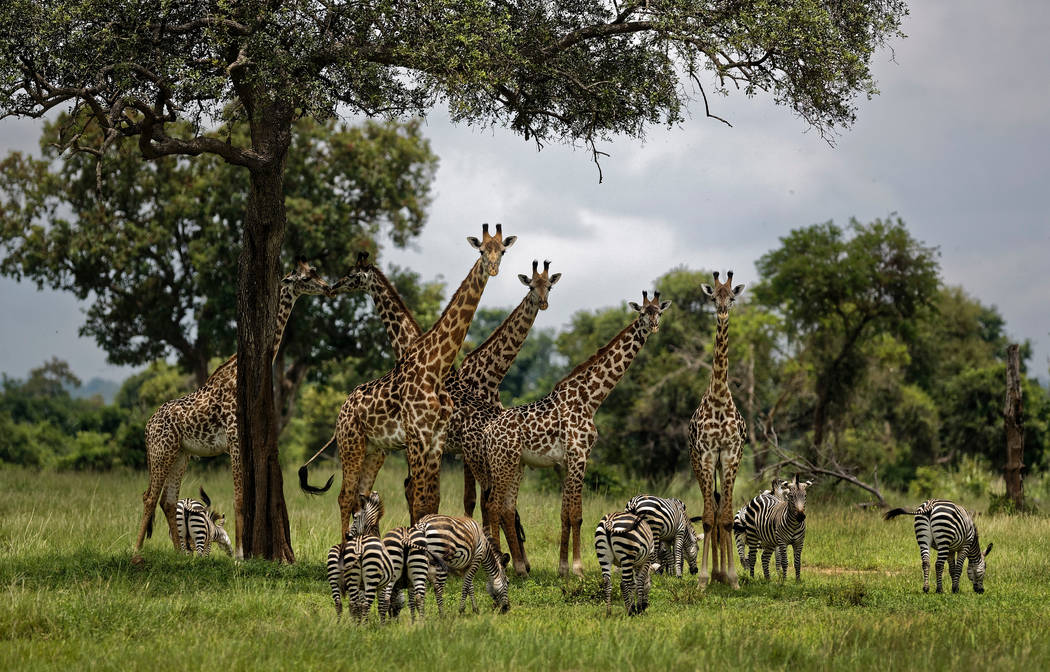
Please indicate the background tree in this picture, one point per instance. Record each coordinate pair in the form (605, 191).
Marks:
(152, 251)
(574, 72)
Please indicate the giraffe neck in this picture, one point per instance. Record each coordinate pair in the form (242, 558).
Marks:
(401, 326)
(720, 365)
(485, 367)
(590, 383)
(284, 311)
(439, 346)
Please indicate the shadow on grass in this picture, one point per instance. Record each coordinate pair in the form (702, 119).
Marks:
(162, 572)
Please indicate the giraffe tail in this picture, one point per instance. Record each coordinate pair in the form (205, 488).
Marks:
(890, 515)
(304, 484)
(518, 528)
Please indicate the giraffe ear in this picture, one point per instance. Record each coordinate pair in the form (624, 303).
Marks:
(664, 305)
(634, 306)
(508, 241)
(555, 278)
(524, 279)
(474, 242)
(737, 290)
(706, 289)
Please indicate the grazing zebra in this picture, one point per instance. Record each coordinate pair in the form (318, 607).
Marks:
(670, 526)
(411, 558)
(360, 568)
(198, 526)
(948, 528)
(772, 524)
(463, 546)
(366, 520)
(772, 496)
(626, 541)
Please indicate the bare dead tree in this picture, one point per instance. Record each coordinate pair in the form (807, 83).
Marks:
(1013, 415)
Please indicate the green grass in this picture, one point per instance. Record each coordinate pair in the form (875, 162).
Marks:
(72, 599)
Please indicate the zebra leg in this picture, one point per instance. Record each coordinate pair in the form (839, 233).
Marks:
(627, 588)
(797, 547)
(605, 563)
(439, 579)
(955, 569)
(679, 541)
(766, 553)
(924, 554)
(468, 589)
(782, 561)
(383, 598)
(938, 567)
(643, 582)
(752, 558)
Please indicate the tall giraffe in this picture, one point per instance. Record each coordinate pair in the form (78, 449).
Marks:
(557, 431)
(409, 406)
(204, 423)
(718, 433)
(474, 385)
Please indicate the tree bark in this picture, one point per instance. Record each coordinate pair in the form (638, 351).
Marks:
(1014, 417)
(266, 530)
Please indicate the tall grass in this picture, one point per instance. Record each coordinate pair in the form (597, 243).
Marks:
(72, 599)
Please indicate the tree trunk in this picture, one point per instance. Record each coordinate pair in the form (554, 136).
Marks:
(1014, 417)
(757, 447)
(266, 531)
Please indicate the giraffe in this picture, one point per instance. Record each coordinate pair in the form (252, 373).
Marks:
(204, 424)
(557, 431)
(717, 435)
(409, 406)
(474, 385)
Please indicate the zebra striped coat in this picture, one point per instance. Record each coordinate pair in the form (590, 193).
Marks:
(407, 548)
(370, 511)
(948, 528)
(464, 547)
(772, 524)
(359, 569)
(626, 541)
(671, 528)
(198, 526)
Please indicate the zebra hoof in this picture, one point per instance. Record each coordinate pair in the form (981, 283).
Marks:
(926, 589)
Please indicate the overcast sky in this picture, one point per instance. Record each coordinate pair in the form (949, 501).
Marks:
(955, 144)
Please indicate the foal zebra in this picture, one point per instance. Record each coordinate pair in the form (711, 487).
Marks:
(407, 548)
(950, 529)
(463, 546)
(671, 528)
(366, 520)
(772, 524)
(626, 541)
(198, 526)
(359, 568)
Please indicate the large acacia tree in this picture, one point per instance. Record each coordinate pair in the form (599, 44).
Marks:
(576, 71)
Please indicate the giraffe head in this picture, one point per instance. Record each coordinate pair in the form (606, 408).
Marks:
(492, 248)
(357, 279)
(723, 293)
(304, 279)
(540, 283)
(650, 310)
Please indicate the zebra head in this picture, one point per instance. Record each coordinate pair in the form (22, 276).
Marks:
(975, 571)
(795, 496)
(497, 583)
(692, 544)
(221, 537)
(366, 520)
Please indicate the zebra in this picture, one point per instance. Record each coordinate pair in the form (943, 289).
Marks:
(772, 524)
(411, 558)
(671, 529)
(464, 547)
(771, 496)
(951, 531)
(366, 520)
(198, 526)
(626, 541)
(360, 568)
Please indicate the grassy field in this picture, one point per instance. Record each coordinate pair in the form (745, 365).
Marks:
(72, 599)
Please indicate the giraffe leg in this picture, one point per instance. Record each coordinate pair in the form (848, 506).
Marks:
(571, 518)
(507, 504)
(370, 467)
(170, 495)
(469, 491)
(352, 446)
(233, 446)
(703, 470)
(162, 453)
(730, 459)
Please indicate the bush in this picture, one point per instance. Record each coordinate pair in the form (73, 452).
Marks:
(91, 451)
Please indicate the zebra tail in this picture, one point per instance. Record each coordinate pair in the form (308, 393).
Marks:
(890, 515)
(205, 498)
(304, 483)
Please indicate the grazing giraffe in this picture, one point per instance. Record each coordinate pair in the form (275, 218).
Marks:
(409, 406)
(474, 385)
(204, 423)
(557, 431)
(717, 435)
